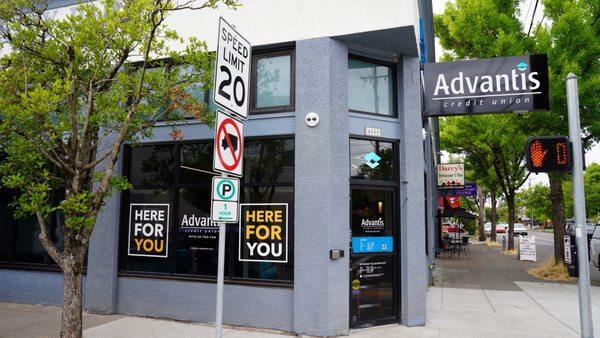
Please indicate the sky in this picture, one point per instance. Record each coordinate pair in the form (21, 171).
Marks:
(527, 12)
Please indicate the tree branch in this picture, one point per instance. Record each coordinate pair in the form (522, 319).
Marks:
(46, 242)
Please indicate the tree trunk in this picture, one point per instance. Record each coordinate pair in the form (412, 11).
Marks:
(481, 206)
(493, 220)
(558, 217)
(72, 296)
(510, 201)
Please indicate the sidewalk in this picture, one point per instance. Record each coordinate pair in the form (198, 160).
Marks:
(485, 294)
(538, 310)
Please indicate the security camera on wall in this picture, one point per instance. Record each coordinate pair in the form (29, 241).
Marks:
(312, 119)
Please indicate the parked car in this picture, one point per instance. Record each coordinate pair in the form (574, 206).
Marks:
(595, 248)
(487, 228)
(520, 229)
(501, 228)
(570, 227)
(451, 228)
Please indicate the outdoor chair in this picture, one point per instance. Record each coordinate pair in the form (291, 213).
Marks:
(465, 245)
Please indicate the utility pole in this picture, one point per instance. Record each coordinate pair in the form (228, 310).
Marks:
(585, 301)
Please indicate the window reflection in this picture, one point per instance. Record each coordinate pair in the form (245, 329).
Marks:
(196, 156)
(152, 165)
(370, 87)
(371, 160)
(273, 81)
(28, 248)
(269, 161)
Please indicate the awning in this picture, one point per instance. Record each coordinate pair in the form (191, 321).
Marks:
(457, 213)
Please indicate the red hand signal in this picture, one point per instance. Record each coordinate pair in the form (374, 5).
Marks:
(537, 153)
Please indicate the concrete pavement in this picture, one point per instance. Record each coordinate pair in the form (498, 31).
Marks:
(538, 310)
(485, 294)
(27, 320)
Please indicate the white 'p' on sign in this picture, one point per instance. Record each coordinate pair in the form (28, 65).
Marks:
(232, 72)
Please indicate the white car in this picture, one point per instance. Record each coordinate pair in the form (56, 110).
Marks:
(520, 229)
(487, 228)
(595, 248)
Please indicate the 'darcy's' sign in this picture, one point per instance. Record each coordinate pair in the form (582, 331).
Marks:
(504, 84)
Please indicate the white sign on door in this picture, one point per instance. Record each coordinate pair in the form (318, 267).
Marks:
(232, 72)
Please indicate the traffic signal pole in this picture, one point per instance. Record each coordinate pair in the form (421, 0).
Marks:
(585, 301)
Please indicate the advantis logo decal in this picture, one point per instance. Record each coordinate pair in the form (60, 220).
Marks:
(487, 85)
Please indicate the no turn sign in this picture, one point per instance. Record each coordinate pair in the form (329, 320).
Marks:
(232, 72)
(229, 145)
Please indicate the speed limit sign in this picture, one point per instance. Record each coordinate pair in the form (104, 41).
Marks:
(232, 72)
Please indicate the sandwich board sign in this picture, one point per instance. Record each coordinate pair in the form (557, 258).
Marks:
(225, 197)
(527, 250)
(229, 145)
(232, 72)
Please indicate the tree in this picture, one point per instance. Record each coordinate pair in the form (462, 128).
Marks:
(475, 172)
(536, 200)
(494, 141)
(591, 182)
(489, 28)
(570, 38)
(70, 98)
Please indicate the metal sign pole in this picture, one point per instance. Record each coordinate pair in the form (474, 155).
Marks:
(220, 279)
(585, 302)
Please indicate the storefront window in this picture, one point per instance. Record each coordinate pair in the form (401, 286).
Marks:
(193, 244)
(370, 87)
(266, 270)
(5, 220)
(19, 237)
(197, 235)
(269, 161)
(152, 165)
(372, 160)
(196, 162)
(273, 81)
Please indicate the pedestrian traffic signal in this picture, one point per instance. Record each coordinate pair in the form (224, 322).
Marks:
(548, 154)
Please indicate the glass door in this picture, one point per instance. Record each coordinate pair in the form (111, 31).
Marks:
(373, 256)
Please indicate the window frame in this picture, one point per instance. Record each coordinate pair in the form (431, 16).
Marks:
(291, 51)
(174, 189)
(394, 69)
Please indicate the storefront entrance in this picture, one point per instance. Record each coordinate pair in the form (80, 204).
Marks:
(373, 258)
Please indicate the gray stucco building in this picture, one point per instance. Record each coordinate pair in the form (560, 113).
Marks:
(355, 182)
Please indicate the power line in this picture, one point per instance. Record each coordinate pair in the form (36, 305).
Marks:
(528, 9)
(532, 17)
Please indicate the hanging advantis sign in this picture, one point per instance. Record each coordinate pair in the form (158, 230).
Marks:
(501, 85)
